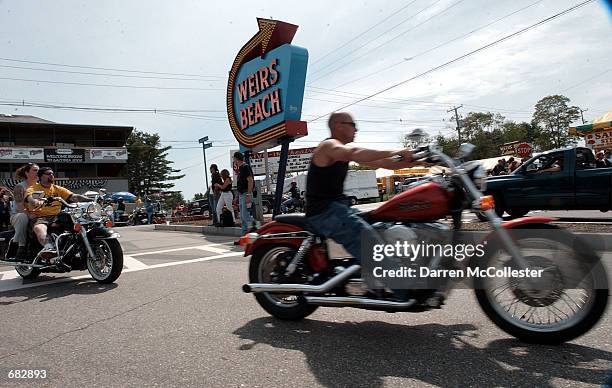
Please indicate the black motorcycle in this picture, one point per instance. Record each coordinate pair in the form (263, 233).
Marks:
(82, 238)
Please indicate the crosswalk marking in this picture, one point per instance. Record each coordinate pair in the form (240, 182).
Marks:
(213, 249)
(132, 263)
(10, 280)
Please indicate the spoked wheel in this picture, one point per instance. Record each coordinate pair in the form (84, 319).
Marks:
(267, 266)
(108, 262)
(27, 272)
(564, 303)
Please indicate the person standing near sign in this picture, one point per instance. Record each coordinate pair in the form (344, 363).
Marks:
(245, 186)
(214, 193)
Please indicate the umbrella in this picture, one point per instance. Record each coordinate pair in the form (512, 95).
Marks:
(127, 197)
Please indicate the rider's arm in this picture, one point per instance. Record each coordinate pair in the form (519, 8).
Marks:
(389, 163)
(78, 198)
(332, 151)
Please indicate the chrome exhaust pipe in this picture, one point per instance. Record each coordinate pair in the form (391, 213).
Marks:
(307, 288)
(341, 301)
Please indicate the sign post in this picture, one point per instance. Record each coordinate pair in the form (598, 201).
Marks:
(265, 91)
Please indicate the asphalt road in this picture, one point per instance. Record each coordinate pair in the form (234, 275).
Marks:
(177, 317)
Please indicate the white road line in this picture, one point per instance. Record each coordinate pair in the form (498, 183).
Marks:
(16, 284)
(132, 263)
(213, 249)
(9, 275)
(174, 250)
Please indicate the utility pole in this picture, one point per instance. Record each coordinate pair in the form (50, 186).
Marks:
(457, 119)
(205, 145)
(582, 116)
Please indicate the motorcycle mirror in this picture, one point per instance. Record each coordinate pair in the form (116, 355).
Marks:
(465, 150)
(38, 194)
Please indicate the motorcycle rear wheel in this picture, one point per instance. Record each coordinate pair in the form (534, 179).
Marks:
(107, 265)
(546, 319)
(281, 306)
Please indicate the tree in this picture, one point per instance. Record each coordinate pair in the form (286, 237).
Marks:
(475, 123)
(413, 142)
(197, 196)
(148, 168)
(173, 199)
(554, 116)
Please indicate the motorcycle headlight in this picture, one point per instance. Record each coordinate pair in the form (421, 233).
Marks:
(109, 211)
(77, 212)
(94, 211)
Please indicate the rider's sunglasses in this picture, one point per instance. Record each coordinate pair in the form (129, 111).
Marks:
(351, 123)
(48, 173)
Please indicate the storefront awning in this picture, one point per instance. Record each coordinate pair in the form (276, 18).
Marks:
(599, 124)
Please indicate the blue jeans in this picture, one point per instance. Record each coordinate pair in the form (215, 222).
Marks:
(212, 206)
(245, 215)
(342, 224)
(287, 203)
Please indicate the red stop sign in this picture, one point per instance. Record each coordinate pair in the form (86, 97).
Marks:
(524, 150)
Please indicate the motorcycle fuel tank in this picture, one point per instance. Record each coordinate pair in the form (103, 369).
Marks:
(426, 202)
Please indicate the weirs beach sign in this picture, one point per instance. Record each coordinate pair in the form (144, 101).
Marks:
(265, 88)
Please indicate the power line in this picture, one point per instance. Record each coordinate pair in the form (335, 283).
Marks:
(457, 59)
(108, 85)
(438, 46)
(379, 35)
(109, 75)
(109, 69)
(388, 41)
(364, 32)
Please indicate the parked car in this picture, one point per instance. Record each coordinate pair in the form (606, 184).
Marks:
(561, 179)
(198, 207)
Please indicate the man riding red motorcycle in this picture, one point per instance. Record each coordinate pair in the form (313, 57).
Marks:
(292, 274)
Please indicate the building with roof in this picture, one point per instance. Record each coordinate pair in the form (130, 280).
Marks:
(84, 157)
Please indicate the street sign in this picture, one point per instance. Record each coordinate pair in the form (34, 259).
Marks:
(265, 88)
(524, 150)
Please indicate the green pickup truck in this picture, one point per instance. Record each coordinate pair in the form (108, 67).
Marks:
(562, 179)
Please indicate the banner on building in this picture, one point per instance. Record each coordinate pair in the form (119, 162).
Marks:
(599, 140)
(298, 160)
(108, 154)
(35, 154)
(64, 155)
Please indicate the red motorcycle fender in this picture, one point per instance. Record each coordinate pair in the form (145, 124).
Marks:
(272, 228)
(517, 223)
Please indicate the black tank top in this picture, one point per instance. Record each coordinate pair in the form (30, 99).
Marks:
(324, 185)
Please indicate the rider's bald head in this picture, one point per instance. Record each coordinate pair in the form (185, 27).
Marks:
(337, 118)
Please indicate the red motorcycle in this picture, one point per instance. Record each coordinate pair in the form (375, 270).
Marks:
(291, 273)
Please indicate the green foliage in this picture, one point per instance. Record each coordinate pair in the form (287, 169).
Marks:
(197, 196)
(554, 117)
(489, 131)
(148, 168)
(173, 199)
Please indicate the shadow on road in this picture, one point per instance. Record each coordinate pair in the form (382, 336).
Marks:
(53, 291)
(365, 353)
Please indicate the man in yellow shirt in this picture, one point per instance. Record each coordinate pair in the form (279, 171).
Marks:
(46, 214)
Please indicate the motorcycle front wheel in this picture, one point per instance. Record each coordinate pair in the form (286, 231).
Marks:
(571, 301)
(107, 264)
(266, 264)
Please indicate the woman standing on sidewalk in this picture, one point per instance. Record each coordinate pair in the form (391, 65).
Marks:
(226, 198)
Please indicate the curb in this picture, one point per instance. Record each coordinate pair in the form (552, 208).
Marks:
(208, 230)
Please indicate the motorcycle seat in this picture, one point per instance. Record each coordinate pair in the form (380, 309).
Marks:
(298, 220)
